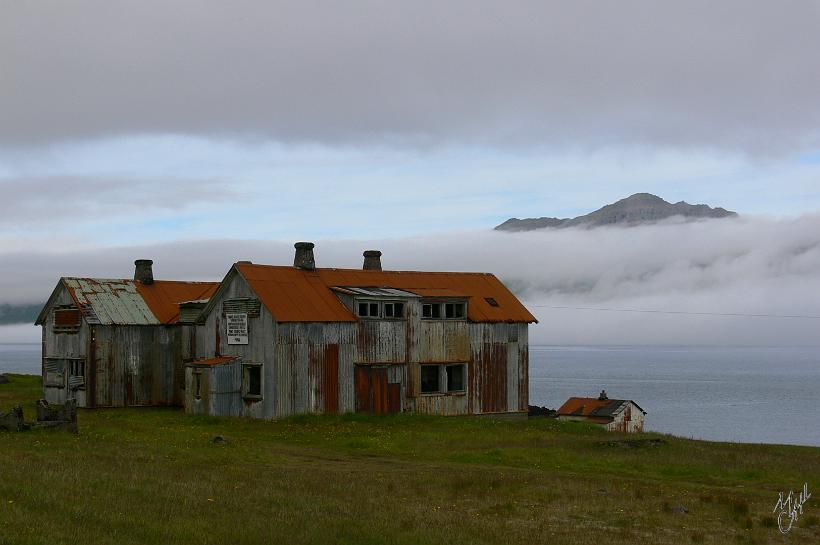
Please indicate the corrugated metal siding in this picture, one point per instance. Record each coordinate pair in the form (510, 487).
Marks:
(318, 366)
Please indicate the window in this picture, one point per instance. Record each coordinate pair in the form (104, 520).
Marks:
(198, 384)
(492, 302)
(444, 379)
(455, 378)
(430, 375)
(76, 373)
(380, 309)
(394, 310)
(252, 381)
(436, 310)
(454, 310)
(55, 369)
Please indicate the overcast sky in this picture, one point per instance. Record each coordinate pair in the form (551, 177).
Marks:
(136, 129)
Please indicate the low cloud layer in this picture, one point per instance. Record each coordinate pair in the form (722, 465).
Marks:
(733, 75)
(740, 266)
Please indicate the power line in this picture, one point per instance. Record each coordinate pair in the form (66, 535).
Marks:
(681, 312)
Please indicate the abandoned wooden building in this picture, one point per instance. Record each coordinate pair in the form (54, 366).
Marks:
(116, 343)
(614, 414)
(281, 340)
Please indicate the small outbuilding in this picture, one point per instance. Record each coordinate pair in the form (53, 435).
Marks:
(622, 415)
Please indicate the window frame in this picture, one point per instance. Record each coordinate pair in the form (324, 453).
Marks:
(439, 309)
(246, 381)
(380, 308)
(77, 364)
(444, 379)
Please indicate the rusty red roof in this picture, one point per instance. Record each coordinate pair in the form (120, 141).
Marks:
(298, 295)
(214, 361)
(592, 407)
(164, 296)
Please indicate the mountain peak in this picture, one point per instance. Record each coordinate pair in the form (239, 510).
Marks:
(637, 209)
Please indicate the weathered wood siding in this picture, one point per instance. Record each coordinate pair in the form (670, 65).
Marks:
(62, 346)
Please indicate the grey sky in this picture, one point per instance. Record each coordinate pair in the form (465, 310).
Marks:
(732, 74)
(198, 134)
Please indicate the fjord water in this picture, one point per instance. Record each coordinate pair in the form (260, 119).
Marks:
(743, 394)
(756, 395)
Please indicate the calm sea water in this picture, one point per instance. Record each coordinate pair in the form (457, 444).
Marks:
(759, 395)
(755, 395)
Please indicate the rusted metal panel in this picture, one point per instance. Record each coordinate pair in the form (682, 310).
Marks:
(330, 379)
(493, 378)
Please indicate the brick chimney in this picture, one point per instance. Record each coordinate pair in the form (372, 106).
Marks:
(143, 272)
(372, 260)
(303, 259)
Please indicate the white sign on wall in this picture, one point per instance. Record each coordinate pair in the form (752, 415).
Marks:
(237, 325)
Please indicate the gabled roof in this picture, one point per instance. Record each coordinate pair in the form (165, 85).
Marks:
(594, 407)
(128, 302)
(297, 295)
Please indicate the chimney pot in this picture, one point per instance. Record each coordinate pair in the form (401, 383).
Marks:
(372, 260)
(143, 271)
(303, 259)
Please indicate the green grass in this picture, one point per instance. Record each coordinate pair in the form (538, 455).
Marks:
(153, 476)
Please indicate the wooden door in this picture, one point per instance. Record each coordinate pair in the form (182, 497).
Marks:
(374, 394)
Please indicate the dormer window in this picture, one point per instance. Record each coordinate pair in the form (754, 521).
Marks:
(380, 309)
(441, 310)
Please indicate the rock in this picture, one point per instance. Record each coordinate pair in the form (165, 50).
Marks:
(218, 440)
(680, 510)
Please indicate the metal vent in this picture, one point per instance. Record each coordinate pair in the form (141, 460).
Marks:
(246, 305)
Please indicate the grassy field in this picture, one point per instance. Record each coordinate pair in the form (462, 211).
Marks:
(154, 476)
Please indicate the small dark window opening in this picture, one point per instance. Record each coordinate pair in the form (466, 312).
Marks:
(426, 310)
(363, 309)
(490, 301)
(373, 310)
(430, 377)
(394, 310)
(454, 310)
(255, 380)
(198, 385)
(455, 378)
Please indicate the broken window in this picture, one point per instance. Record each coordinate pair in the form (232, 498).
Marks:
(430, 379)
(76, 373)
(455, 378)
(252, 381)
(55, 372)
